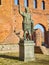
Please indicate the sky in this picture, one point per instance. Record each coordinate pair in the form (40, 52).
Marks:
(15, 2)
(37, 26)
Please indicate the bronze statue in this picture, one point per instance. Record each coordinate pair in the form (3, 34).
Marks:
(27, 23)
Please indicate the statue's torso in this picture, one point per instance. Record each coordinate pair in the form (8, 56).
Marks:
(26, 18)
(27, 21)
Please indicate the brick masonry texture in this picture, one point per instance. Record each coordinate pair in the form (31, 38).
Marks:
(11, 20)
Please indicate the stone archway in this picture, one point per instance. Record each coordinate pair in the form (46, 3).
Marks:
(40, 36)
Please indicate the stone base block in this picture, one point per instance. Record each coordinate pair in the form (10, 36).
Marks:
(26, 51)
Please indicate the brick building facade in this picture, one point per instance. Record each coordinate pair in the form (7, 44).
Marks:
(11, 20)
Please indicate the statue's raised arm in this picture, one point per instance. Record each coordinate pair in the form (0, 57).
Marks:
(19, 9)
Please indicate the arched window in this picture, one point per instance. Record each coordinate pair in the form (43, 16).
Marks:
(0, 2)
(26, 3)
(43, 5)
(35, 3)
(16, 2)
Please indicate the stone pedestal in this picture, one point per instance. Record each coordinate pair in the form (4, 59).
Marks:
(26, 51)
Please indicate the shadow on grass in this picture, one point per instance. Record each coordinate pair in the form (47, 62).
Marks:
(37, 61)
(42, 61)
(10, 57)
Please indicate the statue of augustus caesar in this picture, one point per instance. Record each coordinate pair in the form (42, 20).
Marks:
(27, 23)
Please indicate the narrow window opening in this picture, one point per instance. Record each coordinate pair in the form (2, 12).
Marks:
(26, 3)
(0, 2)
(16, 2)
(35, 3)
(43, 5)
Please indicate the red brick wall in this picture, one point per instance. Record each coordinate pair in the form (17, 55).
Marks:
(9, 13)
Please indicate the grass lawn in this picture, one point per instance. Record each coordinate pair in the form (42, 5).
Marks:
(12, 59)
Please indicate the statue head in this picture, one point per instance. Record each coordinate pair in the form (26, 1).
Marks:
(26, 9)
